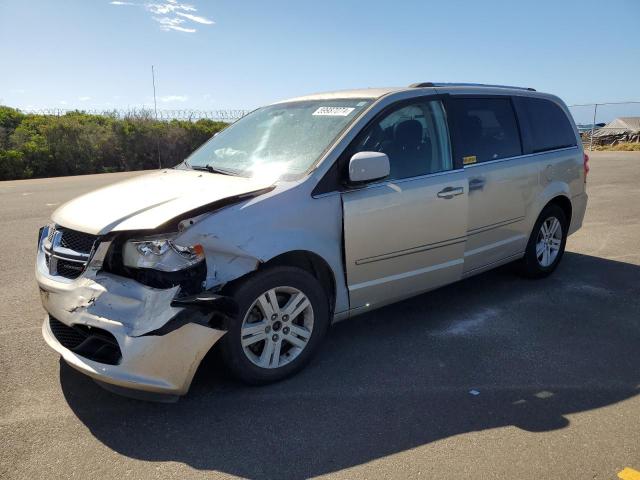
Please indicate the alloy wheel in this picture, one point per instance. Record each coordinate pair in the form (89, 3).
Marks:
(277, 327)
(549, 241)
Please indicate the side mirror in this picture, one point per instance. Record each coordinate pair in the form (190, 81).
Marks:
(368, 166)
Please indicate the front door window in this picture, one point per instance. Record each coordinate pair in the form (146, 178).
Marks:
(415, 138)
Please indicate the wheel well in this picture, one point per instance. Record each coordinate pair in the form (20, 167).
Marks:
(312, 263)
(565, 204)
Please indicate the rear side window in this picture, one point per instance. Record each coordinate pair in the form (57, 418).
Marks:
(486, 129)
(549, 127)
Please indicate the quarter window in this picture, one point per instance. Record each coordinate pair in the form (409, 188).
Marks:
(486, 129)
(414, 137)
(549, 126)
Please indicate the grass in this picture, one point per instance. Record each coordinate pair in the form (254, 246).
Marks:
(618, 147)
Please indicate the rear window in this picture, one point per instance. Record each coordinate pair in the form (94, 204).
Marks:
(549, 127)
(487, 129)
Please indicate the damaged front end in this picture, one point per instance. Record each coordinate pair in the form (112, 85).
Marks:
(130, 310)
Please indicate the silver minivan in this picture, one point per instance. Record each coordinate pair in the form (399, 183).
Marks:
(303, 213)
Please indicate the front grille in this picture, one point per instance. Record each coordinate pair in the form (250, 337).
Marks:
(90, 342)
(77, 241)
(68, 269)
(68, 251)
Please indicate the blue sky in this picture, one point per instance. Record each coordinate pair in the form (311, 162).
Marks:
(213, 54)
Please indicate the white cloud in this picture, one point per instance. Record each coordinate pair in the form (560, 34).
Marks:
(174, 98)
(195, 18)
(171, 14)
(63, 102)
(169, 6)
(19, 90)
(167, 23)
(84, 98)
(179, 29)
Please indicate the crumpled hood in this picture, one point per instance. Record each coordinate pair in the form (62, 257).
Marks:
(148, 201)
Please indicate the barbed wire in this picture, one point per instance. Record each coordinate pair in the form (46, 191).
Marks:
(231, 115)
(631, 102)
(596, 115)
(227, 115)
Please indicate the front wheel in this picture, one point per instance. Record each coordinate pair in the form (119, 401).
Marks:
(546, 244)
(283, 317)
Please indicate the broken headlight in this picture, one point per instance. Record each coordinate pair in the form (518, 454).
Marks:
(161, 253)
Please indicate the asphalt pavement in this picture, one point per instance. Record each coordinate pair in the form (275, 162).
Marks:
(493, 377)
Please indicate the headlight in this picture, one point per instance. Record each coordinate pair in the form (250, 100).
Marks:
(161, 253)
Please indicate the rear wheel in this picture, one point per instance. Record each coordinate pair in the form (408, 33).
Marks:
(284, 315)
(546, 244)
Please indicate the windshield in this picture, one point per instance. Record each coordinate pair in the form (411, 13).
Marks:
(279, 141)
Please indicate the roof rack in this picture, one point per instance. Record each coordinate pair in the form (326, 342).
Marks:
(440, 84)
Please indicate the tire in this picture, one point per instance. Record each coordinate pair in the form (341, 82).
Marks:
(536, 264)
(259, 332)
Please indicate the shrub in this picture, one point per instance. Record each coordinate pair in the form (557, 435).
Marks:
(79, 143)
(12, 165)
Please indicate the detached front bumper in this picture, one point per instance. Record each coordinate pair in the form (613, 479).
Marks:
(159, 364)
(132, 318)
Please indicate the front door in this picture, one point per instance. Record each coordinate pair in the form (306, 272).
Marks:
(406, 234)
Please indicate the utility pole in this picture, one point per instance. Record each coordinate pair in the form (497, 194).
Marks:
(155, 108)
(593, 126)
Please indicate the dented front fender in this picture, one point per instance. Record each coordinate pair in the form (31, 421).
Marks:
(239, 238)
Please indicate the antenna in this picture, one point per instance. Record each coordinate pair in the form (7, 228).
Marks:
(155, 109)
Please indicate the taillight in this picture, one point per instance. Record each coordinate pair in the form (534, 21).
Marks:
(586, 166)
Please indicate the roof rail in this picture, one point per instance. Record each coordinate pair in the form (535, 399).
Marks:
(441, 84)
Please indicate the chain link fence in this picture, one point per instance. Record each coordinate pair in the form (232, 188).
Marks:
(227, 116)
(597, 125)
(593, 119)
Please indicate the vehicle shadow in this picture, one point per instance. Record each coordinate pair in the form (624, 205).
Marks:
(394, 379)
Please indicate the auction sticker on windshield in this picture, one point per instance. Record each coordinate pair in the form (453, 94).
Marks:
(334, 111)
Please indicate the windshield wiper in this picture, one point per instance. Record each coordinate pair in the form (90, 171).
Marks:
(211, 169)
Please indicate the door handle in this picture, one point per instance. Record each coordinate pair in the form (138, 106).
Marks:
(476, 184)
(450, 192)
